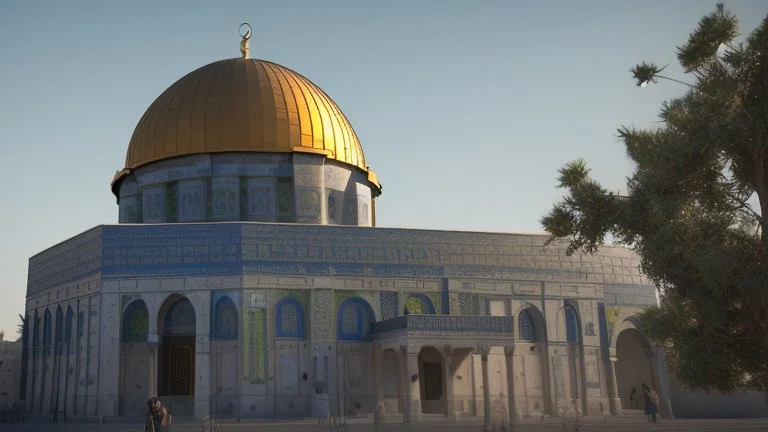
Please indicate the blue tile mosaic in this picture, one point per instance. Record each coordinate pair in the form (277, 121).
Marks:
(231, 248)
(499, 325)
(602, 323)
(135, 328)
(171, 250)
(73, 259)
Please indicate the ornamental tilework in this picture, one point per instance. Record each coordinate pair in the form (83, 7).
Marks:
(175, 250)
(468, 304)
(76, 258)
(171, 250)
(340, 295)
(135, 322)
(299, 295)
(436, 301)
(389, 307)
(322, 315)
(255, 340)
(418, 304)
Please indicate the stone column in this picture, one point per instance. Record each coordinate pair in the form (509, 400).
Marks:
(448, 377)
(202, 304)
(664, 390)
(378, 366)
(412, 385)
(152, 365)
(483, 350)
(615, 399)
(107, 367)
(509, 356)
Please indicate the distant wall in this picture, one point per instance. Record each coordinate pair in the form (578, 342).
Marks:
(10, 373)
(686, 404)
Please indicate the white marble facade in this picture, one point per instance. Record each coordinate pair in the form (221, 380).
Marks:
(295, 345)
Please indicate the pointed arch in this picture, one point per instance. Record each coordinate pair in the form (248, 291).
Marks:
(526, 325)
(178, 316)
(571, 325)
(135, 322)
(58, 332)
(225, 319)
(47, 333)
(289, 318)
(353, 319)
(68, 325)
(418, 303)
(36, 336)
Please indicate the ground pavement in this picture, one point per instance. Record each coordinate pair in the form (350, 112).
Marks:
(591, 425)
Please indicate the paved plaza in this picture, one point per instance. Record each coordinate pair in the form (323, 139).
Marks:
(591, 424)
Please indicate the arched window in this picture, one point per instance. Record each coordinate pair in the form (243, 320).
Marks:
(68, 326)
(418, 304)
(571, 325)
(354, 319)
(527, 326)
(47, 333)
(57, 346)
(289, 318)
(135, 322)
(225, 319)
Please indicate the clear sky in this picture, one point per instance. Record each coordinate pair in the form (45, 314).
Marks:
(465, 109)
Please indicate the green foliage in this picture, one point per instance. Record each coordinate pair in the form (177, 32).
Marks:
(687, 209)
(20, 327)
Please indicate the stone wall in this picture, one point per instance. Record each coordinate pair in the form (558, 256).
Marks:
(10, 372)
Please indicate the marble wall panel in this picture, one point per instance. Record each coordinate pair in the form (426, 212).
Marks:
(154, 204)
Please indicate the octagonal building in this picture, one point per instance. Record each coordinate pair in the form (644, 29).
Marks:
(246, 279)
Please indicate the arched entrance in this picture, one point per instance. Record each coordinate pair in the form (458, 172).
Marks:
(432, 384)
(531, 384)
(575, 359)
(135, 375)
(633, 367)
(418, 304)
(176, 359)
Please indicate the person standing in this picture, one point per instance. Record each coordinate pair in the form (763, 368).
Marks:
(654, 404)
(633, 397)
(157, 416)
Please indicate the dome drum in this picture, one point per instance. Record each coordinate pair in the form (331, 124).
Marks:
(265, 187)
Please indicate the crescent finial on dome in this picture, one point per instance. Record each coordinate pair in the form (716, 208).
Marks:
(245, 34)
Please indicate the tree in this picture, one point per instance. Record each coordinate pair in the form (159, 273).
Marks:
(687, 211)
(20, 327)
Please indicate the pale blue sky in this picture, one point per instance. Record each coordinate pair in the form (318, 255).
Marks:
(465, 109)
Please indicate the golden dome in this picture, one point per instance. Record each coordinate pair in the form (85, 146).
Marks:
(243, 105)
